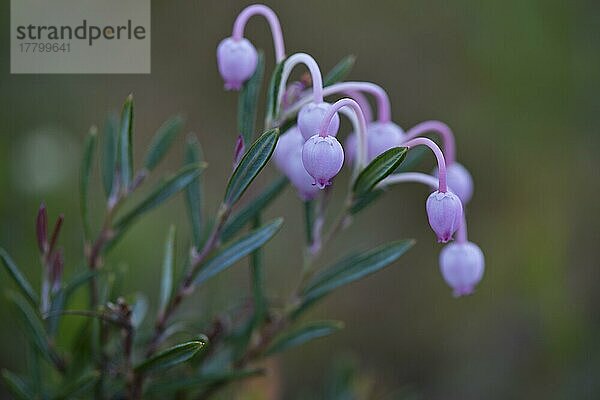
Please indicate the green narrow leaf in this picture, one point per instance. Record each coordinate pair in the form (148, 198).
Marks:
(237, 250)
(248, 101)
(61, 298)
(126, 143)
(164, 191)
(304, 334)
(193, 192)
(353, 268)
(16, 386)
(109, 153)
(15, 272)
(340, 71)
(362, 202)
(162, 141)
(413, 158)
(166, 283)
(383, 165)
(171, 357)
(86, 172)
(272, 92)
(204, 380)
(139, 310)
(309, 220)
(33, 323)
(79, 387)
(253, 208)
(250, 166)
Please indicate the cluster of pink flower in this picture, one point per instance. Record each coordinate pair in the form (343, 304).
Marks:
(310, 155)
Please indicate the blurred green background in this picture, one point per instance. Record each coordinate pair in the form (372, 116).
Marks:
(517, 80)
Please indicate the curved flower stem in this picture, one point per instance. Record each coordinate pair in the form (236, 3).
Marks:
(363, 102)
(259, 9)
(384, 113)
(443, 130)
(443, 187)
(418, 177)
(461, 235)
(361, 131)
(315, 74)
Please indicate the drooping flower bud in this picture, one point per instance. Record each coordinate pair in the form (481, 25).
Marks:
(288, 159)
(381, 136)
(460, 180)
(238, 150)
(237, 60)
(310, 119)
(462, 266)
(322, 157)
(444, 211)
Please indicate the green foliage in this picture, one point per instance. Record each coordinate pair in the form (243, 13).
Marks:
(250, 166)
(109, 153)
(237, 250)
(126, 144)
(272, 92)
(17, 386)
(339, 72)
(162, 141)
(248, 101)
(22, 283)
(193, 192)
(304, 334)
(166, 282)
(171, 357)
(253, 208)
(86, 170)
(383, 165)
(351, 269)
(161, 193)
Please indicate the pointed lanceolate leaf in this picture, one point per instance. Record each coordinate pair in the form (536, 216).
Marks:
(362, 202)
(353, 268)
(17, 386)
(272, 92)
(250, 166)
(237, 250)
(340, 71)
(80, 387)
(166, 283)
(383, 165)
(193, 192)
(171, 357)
(248, 101)
(126, 143)
(61, 298)
(22, 283)
(304, 334)
(86, 172)
(253, 208)
(163, 192)
(109, 153)
(162, 141)
(203, 380)
(33, 325)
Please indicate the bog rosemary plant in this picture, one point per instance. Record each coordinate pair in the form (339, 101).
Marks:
(121, 351)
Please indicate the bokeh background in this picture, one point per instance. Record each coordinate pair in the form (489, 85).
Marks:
(517, 80)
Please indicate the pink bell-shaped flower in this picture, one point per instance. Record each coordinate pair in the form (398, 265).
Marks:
(462, 266)
(237, 60)
(323, 158)
(311, 117)
(444, 211)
